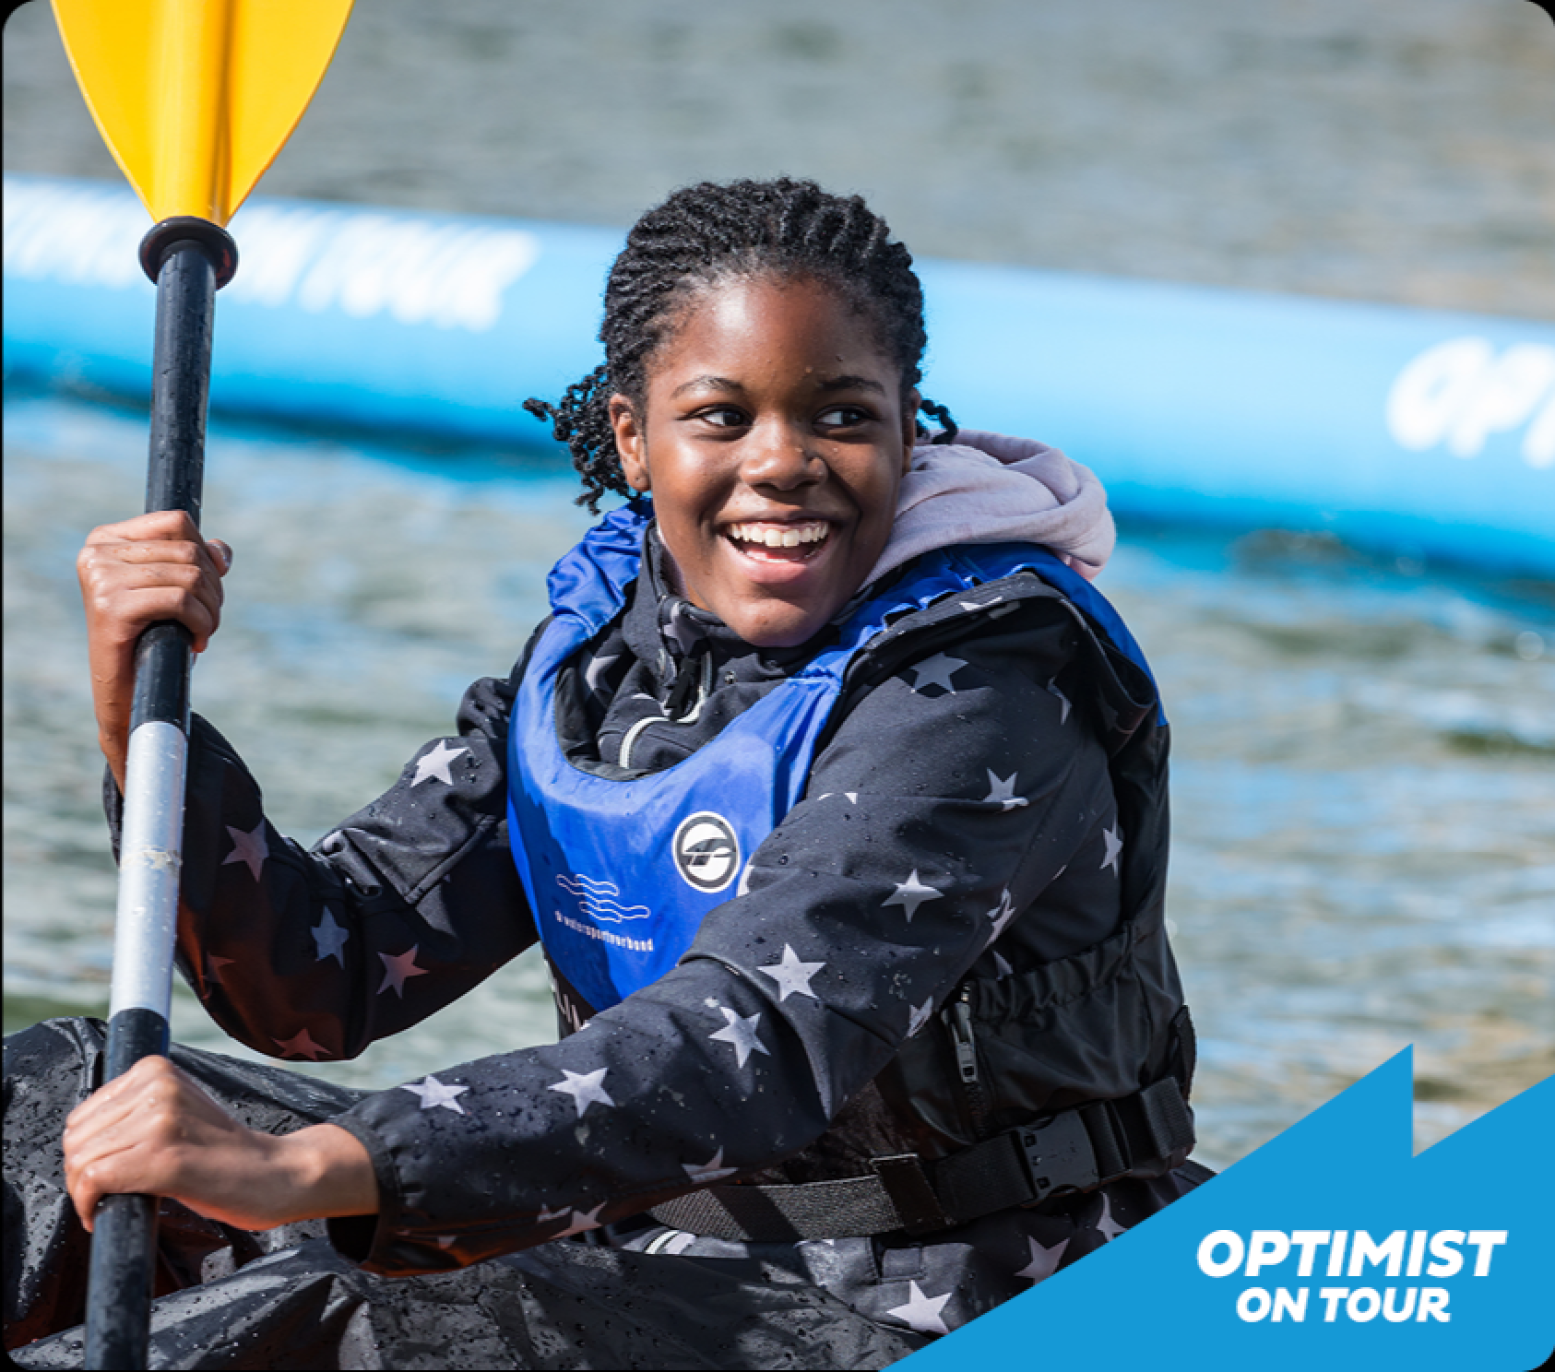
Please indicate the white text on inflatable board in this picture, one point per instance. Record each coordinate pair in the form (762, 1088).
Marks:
(80, 235)
(1461, 391)
(451, 275)
(1437, 1255)
(415, 271)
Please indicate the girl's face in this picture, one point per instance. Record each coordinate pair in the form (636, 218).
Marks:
(774, 441)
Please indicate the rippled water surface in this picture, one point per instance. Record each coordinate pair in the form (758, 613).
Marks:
(1364, 776)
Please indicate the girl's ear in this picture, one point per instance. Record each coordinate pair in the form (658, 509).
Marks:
(910, 405)
(631, 443)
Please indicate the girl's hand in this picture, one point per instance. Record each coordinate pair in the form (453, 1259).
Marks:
(147, 569)
(154, 1131)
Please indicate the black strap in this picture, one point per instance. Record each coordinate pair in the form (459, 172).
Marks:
(1075, 1150)
(782, 1214)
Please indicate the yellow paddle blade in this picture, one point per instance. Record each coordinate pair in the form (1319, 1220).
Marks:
(195, 97)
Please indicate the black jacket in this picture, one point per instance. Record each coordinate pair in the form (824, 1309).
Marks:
(992, 751)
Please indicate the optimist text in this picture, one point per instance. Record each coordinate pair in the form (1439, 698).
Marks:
(1342, 1253)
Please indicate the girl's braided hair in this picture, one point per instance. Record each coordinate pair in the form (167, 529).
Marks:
(704, 234)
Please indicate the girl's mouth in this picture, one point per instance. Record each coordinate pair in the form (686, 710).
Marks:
(772, 542)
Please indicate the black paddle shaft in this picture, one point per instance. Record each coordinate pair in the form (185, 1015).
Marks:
(188, 259)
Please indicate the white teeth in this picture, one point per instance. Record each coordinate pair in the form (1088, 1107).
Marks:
(780, 536)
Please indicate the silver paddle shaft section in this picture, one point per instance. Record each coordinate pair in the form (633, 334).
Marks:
(150, 857)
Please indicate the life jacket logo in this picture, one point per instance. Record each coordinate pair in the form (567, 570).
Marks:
(601, 899)
(706, 851)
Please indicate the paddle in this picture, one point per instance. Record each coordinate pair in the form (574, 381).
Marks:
(194, 99)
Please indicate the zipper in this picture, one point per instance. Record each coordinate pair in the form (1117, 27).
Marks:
(959, 1022)
(704, 689)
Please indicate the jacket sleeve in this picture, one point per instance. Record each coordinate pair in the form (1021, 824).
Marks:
(951, 796)
(396, 913)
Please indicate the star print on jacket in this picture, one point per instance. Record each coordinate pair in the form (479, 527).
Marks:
(910, 894)
(249, 847)
(936, 671)
(580, 1220)
(585, 1088)
(741, 1032)
(1114, 841)
(1044, 1261)
(1001, 790)
(398, 968)
(791, 975)
(922, 1312)
(436, 763)
(1106, 1226)
(301, 1045)
(436, 1093)
(919, 1015)
(711, 1170)
(329, 938)
(1001, 914)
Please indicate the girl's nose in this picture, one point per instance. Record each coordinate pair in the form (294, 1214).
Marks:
(779, 455)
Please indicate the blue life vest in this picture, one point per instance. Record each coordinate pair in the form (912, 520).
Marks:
(621, 873)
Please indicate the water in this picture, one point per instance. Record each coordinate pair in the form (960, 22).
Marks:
(1364, 775)
(1384, 152)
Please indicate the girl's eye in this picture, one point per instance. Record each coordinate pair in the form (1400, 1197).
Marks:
(724, 417)
(841, 416)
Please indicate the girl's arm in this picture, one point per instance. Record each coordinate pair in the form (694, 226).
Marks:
(403, 908)
(300, 954)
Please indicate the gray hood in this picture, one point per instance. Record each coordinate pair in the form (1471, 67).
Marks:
(989, 488)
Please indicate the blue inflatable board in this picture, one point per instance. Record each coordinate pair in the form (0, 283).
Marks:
(1418, 432)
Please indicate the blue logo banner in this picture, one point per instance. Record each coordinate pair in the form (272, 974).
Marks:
(1332, 1247)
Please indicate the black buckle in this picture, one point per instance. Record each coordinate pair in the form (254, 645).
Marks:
(1059, 1156)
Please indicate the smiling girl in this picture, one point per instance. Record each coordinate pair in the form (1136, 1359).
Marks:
(836, 796)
